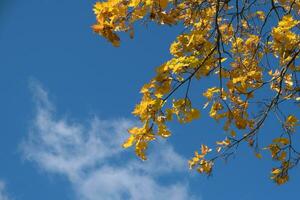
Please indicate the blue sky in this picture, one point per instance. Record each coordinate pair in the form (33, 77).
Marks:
(66, 99)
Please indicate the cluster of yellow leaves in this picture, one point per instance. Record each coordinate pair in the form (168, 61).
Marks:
(152, 110)
(119, 15)
(279, 152)
(139, 137)
(280, 175)
(291, 121)
(285, 40)
(183, 110)
(290, 4)
(244, 76)
(211, 45)
(199, 162)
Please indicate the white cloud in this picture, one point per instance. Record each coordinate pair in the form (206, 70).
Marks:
(113, 183)
(91, 157)
(3, 195)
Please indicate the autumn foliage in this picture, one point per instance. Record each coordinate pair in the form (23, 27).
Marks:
(249, 46)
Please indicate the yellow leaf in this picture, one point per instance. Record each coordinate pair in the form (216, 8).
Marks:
(232, 133)
(210, 92)
(282, 156)
(261, 15)
(241, 123)
(223, 59)
(283, 141)
(205, 149)
(129, 142)
(195, 114)
(134, 130)
(163, 131)
(276, 171)
(291, 120)
(163, 4)
(258, 155)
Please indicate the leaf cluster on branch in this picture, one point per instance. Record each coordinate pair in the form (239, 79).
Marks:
(251, 47)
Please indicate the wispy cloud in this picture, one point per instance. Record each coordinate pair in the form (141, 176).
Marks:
(3, 195)
(90, 156)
